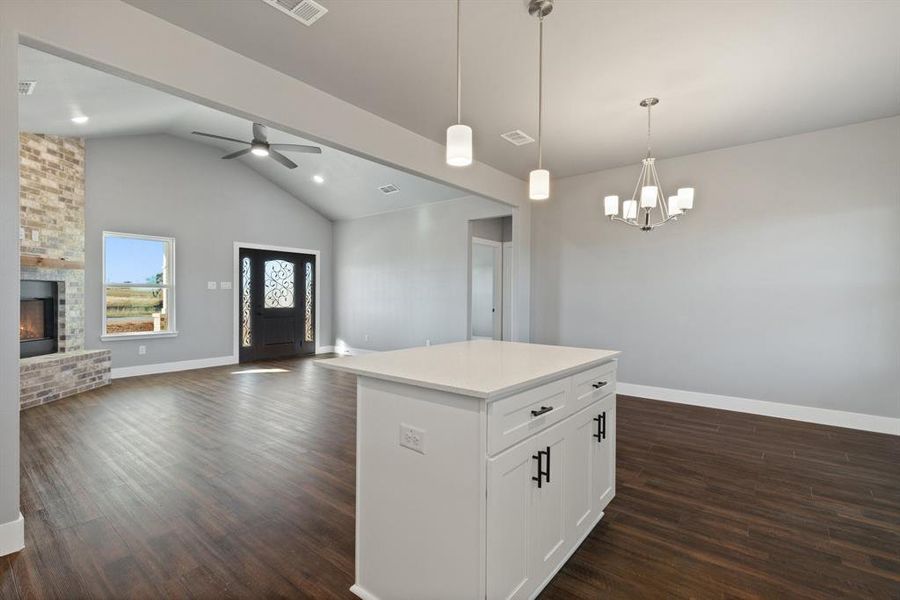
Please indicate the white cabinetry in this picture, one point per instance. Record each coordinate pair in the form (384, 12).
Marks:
(510, 479)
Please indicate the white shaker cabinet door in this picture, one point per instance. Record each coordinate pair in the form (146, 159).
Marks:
(525, 518)
(604, 453)
(581, 442)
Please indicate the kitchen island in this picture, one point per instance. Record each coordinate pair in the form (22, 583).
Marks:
(480, 466)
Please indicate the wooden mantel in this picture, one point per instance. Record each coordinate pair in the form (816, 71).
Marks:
(46, 262)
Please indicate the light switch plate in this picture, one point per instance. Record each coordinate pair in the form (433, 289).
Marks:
(225, 285)
(35, 235)
(210, 285)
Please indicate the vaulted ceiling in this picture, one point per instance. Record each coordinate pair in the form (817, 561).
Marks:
(116, 106)
(727, 73)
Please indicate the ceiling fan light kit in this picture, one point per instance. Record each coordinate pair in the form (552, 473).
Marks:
(260, 146)
(655, 209)
(459, 136)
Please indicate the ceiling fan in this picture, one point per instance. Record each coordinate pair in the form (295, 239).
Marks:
(260, 146)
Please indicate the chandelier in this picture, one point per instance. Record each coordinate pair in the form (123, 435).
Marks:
(648, 207)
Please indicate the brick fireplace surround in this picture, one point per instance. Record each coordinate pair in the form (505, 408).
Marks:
(51, 208)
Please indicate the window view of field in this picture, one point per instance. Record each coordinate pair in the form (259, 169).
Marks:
(134, 310)
(138, 284)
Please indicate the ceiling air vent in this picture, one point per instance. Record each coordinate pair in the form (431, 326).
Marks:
(389, 189)
(305, 11)
(517, 137)
(26, 88)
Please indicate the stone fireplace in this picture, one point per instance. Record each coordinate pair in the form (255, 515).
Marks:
(54, 363)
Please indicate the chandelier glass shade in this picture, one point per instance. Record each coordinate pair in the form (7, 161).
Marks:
(648, 207)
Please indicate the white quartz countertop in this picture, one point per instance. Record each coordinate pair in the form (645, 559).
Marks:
(481, 368)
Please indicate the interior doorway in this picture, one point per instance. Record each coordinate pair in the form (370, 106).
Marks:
(277, 304)
(491, 279)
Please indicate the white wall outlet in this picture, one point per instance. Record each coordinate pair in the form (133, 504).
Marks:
(210, 285)
(412, 438)
(225, 285)
(142, 349)
(427, 342)
(366, 338)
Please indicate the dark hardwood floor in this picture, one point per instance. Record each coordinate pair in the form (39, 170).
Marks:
(230, 483)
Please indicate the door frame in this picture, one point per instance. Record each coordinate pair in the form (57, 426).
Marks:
(236, 295)
(508, 267)
(498, 282)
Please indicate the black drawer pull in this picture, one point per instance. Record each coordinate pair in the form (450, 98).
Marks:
(599, 384)
(544, 409)
(541, 473)
(601, 427)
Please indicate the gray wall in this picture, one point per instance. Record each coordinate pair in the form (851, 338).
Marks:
(9, 274)
(497, 229)
(783, 284)
(163, 185)
(402, 277)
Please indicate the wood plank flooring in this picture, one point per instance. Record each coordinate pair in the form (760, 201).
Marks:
(238, 482)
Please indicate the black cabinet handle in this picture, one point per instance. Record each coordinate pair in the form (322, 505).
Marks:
(541, 473)
(544, 409)
(547, 473)
(601, 427)
(599, 384)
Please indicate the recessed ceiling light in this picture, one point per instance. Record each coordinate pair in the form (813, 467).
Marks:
(80, 120)
(318, 179)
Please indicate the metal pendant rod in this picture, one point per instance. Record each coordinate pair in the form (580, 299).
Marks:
(458, 69)
(540, 90)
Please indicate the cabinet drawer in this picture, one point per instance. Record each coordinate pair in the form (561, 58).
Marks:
(512, 419)
(592, 385)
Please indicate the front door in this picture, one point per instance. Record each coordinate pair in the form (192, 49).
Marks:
(277, 304)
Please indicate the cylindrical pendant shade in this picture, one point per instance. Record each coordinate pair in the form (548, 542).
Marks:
(629, 209)
(686, 198)
(648, 196)
(539, 184)
(611, 205)
(459, 145)
(674, 208)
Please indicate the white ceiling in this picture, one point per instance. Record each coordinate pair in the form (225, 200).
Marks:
(728, 73)
(117, 106)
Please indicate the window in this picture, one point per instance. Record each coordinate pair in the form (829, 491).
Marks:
(138, 285)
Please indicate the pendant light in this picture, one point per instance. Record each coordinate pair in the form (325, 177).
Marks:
(539, 179)
(459, 136)
(648, 207)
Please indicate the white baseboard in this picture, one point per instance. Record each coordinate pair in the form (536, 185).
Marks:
(362, 593)
(171, 367)
(12, 536)
(325, 350)
(822, 416)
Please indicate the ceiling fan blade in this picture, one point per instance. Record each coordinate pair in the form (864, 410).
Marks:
(282, 158)
(236, 154)
(260, 133)
(219, 137)
(296, 148)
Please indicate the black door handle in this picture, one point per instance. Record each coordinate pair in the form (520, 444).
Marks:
(548, 464)
(544, 409)
(541, 473)
(601, 427)
(599, 384)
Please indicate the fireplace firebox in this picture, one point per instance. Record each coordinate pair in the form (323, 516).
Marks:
(38, 307)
